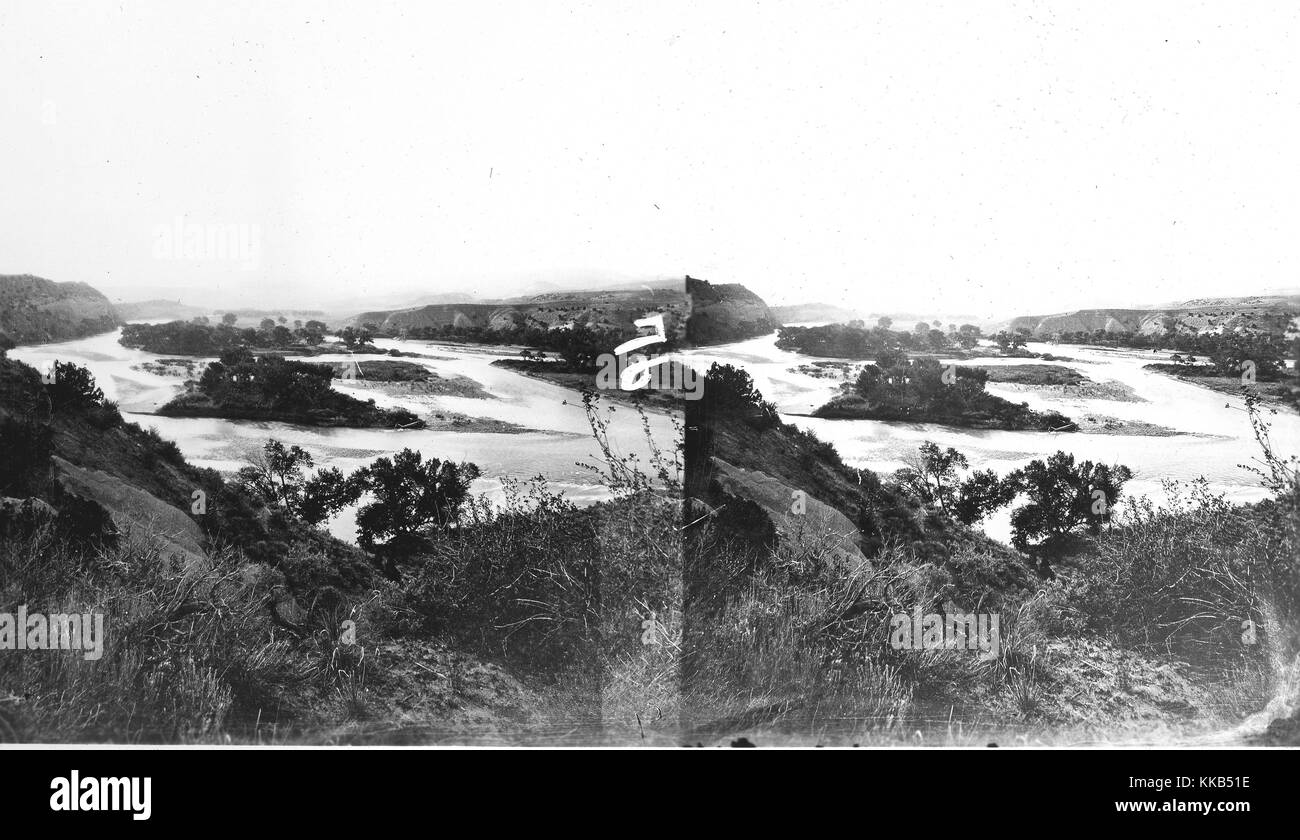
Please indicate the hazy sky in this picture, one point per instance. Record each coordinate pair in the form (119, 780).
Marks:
(981, 157)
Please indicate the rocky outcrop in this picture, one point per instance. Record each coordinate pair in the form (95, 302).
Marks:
(19, 516)
(1277, 314)
(725, 313)
(33, 310)
(174, 531)
(798, 517)
(1085, 320)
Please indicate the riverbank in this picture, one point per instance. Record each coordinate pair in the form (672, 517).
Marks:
(558, 374)
(1284, 392)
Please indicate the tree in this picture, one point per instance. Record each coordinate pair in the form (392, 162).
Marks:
(1064, 496)
(1008, 341)
(968, 335)
(267, 324)
(281, 336)
(73, 388)
(980, 494)
(1235, 350)
(313, 332)
(326, 493)
(413, 500)
(274, 475)
(729, 392)
(884, 322)
(229, 319)
(931, 475)
(6, 344)
(887, 359)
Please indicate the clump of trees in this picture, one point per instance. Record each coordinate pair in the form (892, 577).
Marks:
(269, 387)
(934, 479)
(578, 347)
(923, 390)
(356, 339)
(855, 340)
(1011, 341)
(1222, 352)
(409, 501)
(729, 392)
(198, 337)
(1061, 497)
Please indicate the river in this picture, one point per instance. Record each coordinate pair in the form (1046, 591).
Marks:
(558, 437)
(1213, 434)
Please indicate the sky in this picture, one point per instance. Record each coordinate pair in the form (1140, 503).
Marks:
(991, 158)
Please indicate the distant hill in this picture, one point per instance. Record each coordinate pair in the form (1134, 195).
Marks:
(157, 310)
(599, 309)
(801, 313)
(34, 310)
(1278, 314)
(726, 312)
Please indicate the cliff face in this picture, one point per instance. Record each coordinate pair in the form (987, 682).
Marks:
(599, 309)
(725, 313)
(1085, 320)
(1278, 314)
(34, 310)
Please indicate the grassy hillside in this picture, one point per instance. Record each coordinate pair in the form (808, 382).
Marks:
(237, 619)
(153, 310)
(1138, 629)
(34, 310)
(725, 312)
(603, 310)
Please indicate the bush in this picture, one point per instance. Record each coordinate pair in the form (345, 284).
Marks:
(729, 392)
(74, 389)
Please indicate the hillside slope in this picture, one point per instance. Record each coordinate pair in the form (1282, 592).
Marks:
(159, 310)
(725, 313)
(791, 615)
(821, 313)
(613, 309)
(33, 310)
(1276, 314)
(223, 614)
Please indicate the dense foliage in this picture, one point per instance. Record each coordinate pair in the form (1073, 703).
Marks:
(200, 338)
(268, 387)
(925, 391)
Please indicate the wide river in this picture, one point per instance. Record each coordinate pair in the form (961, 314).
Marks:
(1213, 436)
(1213, 429)
(558, 437)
